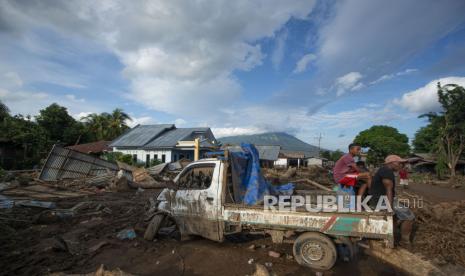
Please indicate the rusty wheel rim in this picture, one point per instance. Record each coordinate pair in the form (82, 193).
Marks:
(312, 252)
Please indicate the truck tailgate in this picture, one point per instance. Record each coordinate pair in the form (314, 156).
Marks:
(363, 225)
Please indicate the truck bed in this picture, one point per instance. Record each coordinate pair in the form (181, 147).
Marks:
(363, 225)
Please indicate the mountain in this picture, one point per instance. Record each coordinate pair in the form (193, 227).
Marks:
(286, 141)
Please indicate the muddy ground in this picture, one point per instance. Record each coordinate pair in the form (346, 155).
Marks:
(37, 242)
(40, 245)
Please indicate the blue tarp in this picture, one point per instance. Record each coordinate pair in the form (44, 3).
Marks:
(249, 184)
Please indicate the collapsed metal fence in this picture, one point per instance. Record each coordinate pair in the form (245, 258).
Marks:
(63, 163)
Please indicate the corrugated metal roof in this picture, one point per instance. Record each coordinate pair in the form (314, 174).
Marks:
(287, 142)
(292, 154)
(268, 152)
(94, 147)
(264, 152)
(171, 138)
(140, 135)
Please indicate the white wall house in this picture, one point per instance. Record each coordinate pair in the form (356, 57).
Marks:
(290, 159)
(319, 161)
(163, 142)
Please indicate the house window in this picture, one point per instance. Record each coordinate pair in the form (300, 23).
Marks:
(174, 157)
(134, 158)
(181, 156)
(188, 156)
(155, 156)
(147, 160)
(163, 158)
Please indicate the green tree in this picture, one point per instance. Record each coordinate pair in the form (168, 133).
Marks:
(450, 124)
(56, 121)
(118, 123)
(4, 111)
(326, 154)
(382, 141)
(335, 155)
(106, 126)
(425, 140)
(98, 125)
(24, 133)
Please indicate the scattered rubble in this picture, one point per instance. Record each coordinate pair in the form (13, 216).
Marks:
(261, 270)
(126, 234)
(315, 173)
(440, 232)
(274, 254)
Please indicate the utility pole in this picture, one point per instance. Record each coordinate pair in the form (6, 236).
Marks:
(318, 138)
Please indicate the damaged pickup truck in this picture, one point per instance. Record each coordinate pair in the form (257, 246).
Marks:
(203, 202)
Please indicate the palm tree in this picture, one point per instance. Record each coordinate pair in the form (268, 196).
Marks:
(118, 123)
(98, 124)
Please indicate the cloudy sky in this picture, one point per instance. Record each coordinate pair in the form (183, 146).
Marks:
(240, 67)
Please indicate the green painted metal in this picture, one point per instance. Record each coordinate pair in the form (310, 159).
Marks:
(345, 224)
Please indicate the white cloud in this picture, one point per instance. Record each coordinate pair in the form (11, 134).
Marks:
(73, 98)
(81, 115)
(391, 76)
(180, 57)
(303, 63)
(425, 99)
(30, 103)
(144, 120)
(11, 78)
(394, 34)
(179, 122)
(348, 82)
(25, 102)
(280, 47)
(232, 131)
(298, 122)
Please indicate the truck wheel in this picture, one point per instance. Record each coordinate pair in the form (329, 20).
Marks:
(153, 227)
(315, 250)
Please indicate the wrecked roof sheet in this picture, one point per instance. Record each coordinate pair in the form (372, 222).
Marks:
(140, 135)
(65, 163)
(171, 138)
(292, 154)
(264, 152)
(95, 147)
(268, 152)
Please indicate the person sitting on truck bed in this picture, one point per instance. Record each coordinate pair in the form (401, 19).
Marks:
(384, 183)
(361, 183)
(346, 173)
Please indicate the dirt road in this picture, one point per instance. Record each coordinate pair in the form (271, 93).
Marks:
(435, 193)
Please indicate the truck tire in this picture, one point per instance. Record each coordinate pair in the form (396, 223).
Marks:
(153, 227)
(315, 250)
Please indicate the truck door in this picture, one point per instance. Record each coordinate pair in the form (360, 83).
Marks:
(195, 205)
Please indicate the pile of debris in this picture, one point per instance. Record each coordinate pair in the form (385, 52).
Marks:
(440, 233)
(300, 177)
(58, 218)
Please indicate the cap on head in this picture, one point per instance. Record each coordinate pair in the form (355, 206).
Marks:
(394, 158)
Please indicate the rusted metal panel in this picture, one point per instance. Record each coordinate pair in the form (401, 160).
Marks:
(64, 163)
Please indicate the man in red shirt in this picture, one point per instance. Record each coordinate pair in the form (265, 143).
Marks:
(403, 175)
(346, 172)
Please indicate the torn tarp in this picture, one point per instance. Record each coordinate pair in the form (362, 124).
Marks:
(249, 184)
